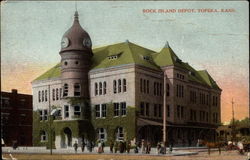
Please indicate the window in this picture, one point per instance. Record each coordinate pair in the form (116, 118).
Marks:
(160, 110)
(206, 116)
(144, 86)
(57, 94)
(116, 109)
(100, 88)
(96, 89)
(39, 96)
(147, 86)
(142, 108)
(101, 134)
(53, 94)
(43, 136)
(41, 115)
(114, 86)
(160, 89)
(45, 114)
(65, 63)
(65, 90)
(182, 112)
(124, 85)
(119, 133)
(60, 93)
(104, 88)
(97, 111)
(168, 88)
(77, 89)
(42, 96)
(46, 96)
(77, 110)
(154, 88)
(157, 89)
(168, 110)
(141, 85)
(119, 86)
(147, 109)
(104, 110)
(155, 110)
(123, 108)
(178, 111)
(66, 111)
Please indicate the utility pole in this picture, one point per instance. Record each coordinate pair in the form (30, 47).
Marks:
(164, 110)
(233, 122)
(50, 123)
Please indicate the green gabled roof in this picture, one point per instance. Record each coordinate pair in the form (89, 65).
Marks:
(52, 73)
(208, 79)
(128, 53)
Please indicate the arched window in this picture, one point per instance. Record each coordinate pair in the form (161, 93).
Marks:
(100, 88)
(124, 85)
(168, 93)
(147, 86)
(114, 86)
(96, 89)
(101, 134)
(77, 89)
(65, 90)
(119, 85)
(46, 94)
(104, 88)
(53, 94)
(42, 96)
(60, 93)
(39, 96)
(43, 136)
(119, 133)
(144, 86)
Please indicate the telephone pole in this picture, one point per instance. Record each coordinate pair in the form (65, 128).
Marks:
(164, 111)
(233, 122)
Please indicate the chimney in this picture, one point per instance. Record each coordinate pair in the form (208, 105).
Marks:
(14, 91)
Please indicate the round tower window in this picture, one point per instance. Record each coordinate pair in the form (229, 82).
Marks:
(76, 62)
(65, 63)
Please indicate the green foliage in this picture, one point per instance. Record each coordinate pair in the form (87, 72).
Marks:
(111, 123)
(84, 104)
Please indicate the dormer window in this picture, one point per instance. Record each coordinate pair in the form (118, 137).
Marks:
(114, 56)
(191, 73)
(147, 58)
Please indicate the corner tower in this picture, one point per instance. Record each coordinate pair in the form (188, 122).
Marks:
(76, 53)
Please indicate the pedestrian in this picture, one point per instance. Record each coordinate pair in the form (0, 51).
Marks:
(148, 148)
(103, 145)
(99, 147)
(83, 146)
(158, 147)
(128, 146)
(142, 146)
(111, 146)
(75, 146)
(116, 145)
(136, 150)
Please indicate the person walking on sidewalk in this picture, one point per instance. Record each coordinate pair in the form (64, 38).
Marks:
(83, 146)
(75, 146)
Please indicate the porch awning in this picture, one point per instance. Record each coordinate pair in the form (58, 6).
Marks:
(143, 122)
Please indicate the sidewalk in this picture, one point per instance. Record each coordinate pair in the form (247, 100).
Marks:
(42, 150)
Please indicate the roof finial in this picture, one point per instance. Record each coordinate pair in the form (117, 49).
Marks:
(76, 13)
(166, 45)
(127, 41)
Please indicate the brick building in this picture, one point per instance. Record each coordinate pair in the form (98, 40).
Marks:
(16, 118)
(123, 84)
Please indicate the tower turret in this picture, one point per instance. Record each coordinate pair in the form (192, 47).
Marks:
(76, 53)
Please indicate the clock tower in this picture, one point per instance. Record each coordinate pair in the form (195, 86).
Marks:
(76, 53)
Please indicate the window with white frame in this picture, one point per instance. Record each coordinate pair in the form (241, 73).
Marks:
(46, 95)
(100, 88)
(65, 89)
(116, 109)
(66, 111)
(103, 110)
(124, 85)
(104, 88)
(96, 89)
(77, 89)
(42, 96)
(120, 133)
(119, 85)
(57, 94)
(39, 96)
(53, 94)
(77, 110)
(43, 136)
(45, 114)
(97, 111)
(60, 93)
(41, 115)
(114, 86)
(101, 134)
(123, 108)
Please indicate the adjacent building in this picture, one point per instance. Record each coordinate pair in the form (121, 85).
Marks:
(16, 118)
(116, 92)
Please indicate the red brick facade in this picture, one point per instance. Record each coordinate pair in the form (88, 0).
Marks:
(16, 118)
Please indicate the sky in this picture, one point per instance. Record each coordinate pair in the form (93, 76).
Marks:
(31, 33)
